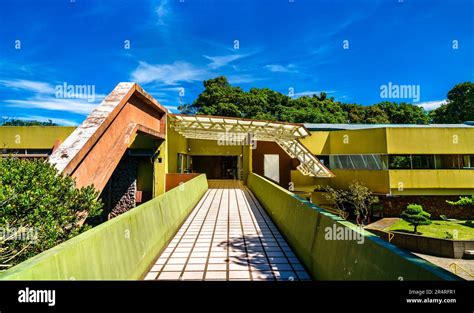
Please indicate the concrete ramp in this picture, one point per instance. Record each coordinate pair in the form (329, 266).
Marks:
(91, 153)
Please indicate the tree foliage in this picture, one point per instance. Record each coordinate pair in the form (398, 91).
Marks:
(39, 208)
(221, 98)
(16, 122)
(416, 216)
(463, 201)
(357, 196)
(459, 107)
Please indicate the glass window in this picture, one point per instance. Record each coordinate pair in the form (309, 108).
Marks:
(325, 160)
(358, 161)
(450, 161)
(399, 162)
(423, 162)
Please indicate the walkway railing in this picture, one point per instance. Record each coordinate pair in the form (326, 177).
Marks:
(455, 267)
(121, 248)
(334, 249)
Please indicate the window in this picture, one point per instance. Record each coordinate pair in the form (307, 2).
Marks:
(358, 161)
(399, 162)
(271, 167)
(324, 159)
(423, 162)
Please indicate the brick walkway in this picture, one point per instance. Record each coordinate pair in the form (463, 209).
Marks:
(228, 236)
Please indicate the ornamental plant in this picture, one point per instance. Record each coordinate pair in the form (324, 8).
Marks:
(415, 215)
(39, 208)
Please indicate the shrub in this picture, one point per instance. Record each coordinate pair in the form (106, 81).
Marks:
(415, 215)
(39, 208)
(462, 201)
(358, 196)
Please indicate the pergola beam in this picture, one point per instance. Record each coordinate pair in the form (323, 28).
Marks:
(286, 135)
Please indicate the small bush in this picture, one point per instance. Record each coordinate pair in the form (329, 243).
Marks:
(39, 208)
(415, 215)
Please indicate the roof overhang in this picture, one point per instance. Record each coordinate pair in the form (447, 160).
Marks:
(218, 127)
(244, 131)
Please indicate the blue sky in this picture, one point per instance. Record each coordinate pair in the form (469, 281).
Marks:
(282, 44)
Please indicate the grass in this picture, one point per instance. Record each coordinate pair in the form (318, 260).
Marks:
(438, 229)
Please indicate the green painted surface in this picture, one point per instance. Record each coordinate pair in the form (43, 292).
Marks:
(438, 229)
(304, 225)
(120, 249)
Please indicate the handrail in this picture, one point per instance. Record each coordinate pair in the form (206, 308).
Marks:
(390, 234)
(454, 267)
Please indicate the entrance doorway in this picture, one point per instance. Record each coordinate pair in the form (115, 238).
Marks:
(216, 167)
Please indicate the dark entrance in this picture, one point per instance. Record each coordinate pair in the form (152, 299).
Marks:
(215, 167)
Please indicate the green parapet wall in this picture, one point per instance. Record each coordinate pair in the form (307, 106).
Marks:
(304, 225)
(120, 249)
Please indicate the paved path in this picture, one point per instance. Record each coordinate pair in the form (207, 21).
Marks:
(228, 236)
(383, 223)
(465, 270)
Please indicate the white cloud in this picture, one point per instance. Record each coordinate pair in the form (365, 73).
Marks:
(241, 79)
(162, 11)
(79, 106)
(29, 85)
(277, 68)
(431, 105)
(169, 74)
(219, 61)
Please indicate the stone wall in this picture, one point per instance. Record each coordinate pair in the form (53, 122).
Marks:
(119, 195)
(446, 248)
(435, 205)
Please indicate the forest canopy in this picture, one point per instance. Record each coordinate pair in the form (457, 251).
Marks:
(220, 98)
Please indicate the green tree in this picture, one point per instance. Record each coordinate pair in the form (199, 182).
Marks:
(41, 205)
(362, 200)
(220, 98)
(416, 216)
(357, 196)
(16, 122)
(459, 107)
(403, 113)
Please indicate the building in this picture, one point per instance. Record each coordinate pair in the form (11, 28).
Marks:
(132, 149)
(424, 164)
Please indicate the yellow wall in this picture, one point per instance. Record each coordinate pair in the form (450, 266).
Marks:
(176, 144)
(409, 140)
(210, 147)
(145, 175)
(160, 170)
(377, 181)
(247, 162)
(32, 137)
(365, 141)
(430, 140)
(298, 179)
(431, 179)
(317, 143)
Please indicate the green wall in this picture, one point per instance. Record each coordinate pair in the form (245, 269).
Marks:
(304, 226)
(120, 249)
